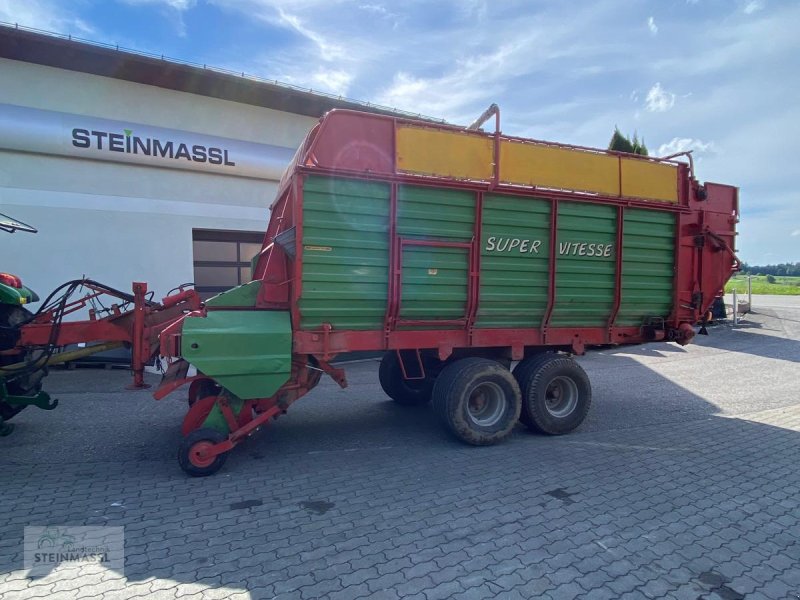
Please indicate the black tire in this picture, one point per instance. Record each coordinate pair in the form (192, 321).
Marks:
(193, 466)
(28, 385)
(522, 373)
(478, 400)
(407, 392)
(557, 395)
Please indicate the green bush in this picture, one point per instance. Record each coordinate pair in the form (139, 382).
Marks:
(770, 279)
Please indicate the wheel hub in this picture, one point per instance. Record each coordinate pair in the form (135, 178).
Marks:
(561, 397)
(199, 454)
(486, 404)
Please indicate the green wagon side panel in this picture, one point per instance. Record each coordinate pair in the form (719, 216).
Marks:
(345, 253)
(584, 283)
(515, 254)
(434, 279)
(435, 213)
(648, 266)
(244, 295)
(434, 283)
(249, 352)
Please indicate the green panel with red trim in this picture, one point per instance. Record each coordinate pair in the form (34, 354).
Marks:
(515, 261)
(585, 265)
(345, 252)
(648, 266)
(248, 352)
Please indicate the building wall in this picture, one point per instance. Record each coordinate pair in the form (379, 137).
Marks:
(118, 222)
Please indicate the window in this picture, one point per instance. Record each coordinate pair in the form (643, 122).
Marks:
(222, 259)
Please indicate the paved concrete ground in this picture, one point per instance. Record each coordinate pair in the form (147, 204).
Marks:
(682, 483)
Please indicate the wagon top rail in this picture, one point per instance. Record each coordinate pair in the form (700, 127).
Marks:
(377, 145)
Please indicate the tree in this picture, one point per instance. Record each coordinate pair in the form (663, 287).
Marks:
(621, 143)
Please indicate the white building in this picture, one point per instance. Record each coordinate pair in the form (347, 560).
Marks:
(135, 168)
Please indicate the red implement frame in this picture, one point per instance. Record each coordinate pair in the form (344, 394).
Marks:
(139, 326)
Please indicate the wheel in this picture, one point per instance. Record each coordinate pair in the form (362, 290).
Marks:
(27, 385)
(198, 440)
(522, 373)
(478, 400)
(408, 392)
(200, 388)
(557, 395)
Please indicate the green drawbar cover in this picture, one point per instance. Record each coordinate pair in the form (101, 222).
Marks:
(248, 352)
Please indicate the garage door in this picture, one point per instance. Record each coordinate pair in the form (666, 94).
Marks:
(222, 259)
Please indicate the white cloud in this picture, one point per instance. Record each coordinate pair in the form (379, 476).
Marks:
(172, 9)
(676, 145)
(296, 15)
(179, 5)
(796, 233)
(651, 25)
(379, 10)
(753, 6)
(334, 82)
(328, 50)
(43, 14)
(454, 94)
(659, 100)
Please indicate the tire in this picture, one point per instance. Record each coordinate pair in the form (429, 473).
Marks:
(557, 395)
(403, 391)
(478, 400)
(522, 373)
(194, 465)
(11, 316)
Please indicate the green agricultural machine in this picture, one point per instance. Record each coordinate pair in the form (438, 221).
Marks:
(14, 298)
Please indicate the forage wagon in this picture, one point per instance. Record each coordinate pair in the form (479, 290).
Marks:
(457, 252)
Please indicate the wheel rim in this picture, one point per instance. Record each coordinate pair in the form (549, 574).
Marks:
(486, 404)
(561, 397)
(194, 454)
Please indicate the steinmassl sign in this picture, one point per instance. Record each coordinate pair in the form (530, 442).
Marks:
(133, 144)
(80, 136)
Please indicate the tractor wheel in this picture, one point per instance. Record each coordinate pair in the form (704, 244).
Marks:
(200, 388)
(522, 373)
(408, 392)
(557, 395)
(11, 316)
(478, 399)
(193, 444)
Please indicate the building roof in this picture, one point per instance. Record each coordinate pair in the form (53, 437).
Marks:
(66, 52)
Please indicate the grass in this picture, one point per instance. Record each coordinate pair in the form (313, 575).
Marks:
(784, 286)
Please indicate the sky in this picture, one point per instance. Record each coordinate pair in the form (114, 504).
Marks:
(719, 77)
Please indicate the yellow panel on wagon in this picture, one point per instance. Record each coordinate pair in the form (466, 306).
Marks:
(649, 180)
(561, 168)
(444, 153)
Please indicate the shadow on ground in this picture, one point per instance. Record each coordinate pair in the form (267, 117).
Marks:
(351, 494)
